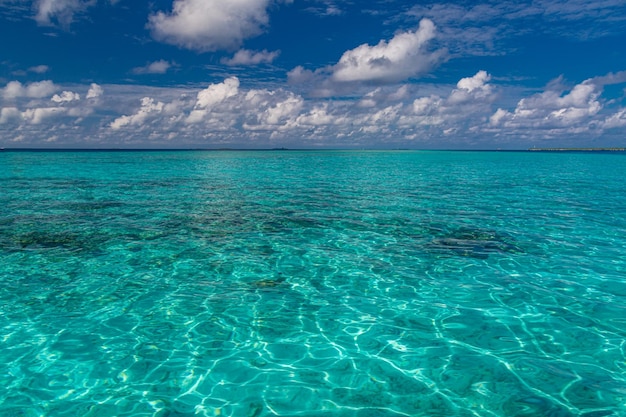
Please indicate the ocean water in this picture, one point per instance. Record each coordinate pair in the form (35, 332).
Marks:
(326, 283)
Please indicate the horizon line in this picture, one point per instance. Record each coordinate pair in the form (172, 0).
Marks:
(114, 149)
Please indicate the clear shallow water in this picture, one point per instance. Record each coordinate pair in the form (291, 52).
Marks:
(312, 284)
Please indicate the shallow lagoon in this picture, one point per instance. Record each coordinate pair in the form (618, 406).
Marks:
(312, 284)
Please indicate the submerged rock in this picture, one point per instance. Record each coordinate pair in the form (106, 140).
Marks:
(474, 242)
(269, 282)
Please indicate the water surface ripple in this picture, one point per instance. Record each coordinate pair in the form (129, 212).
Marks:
(312, 284)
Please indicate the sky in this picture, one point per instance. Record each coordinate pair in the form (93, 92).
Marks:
(308, 74)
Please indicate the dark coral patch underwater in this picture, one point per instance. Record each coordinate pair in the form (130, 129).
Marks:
(473, 242)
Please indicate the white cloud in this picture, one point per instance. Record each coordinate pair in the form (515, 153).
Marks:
(13, 89)
(149, 108)
(36, 116)
(472, 94)
(476, 82)
(332, 10)
(94, 91)
(271, 111)
(482, 28)
(79, 111)
(156, 67)
(399, 94)
(211, 96)
(427, 105)
(472, 88)
(247, 57)
(379, 96)
(257, 98)
(32, 106)
(39, 69)
(448, 112)
(300, 75)
(9, 113)
(62, 11)
(40, 89)
(609, 79)
(405, 55)
(369, 99)
(383, 116)
(328, 8)
(617, 119)
(227, 114)
(65, 97)
(216, 93)
(499, 116)
(223, 113)
(319, 116)
(281, 111)
(210, 25)
(553, 108)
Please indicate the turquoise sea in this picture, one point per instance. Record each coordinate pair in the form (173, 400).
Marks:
(306, 283)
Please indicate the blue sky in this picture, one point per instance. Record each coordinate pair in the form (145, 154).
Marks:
(312, 74)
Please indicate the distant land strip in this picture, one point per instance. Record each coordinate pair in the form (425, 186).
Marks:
(577, 149)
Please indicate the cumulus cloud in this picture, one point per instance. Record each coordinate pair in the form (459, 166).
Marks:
(210, 25)
(32, 105)
(472, 88)
(460, 109)
(40, 89)
(227, 114)
(380, 119)
(94, 91)
(8, 114)
(383, 114)
(149, 108)
(281, 111)
(13, 89)
(156, 67)
(553, 108)
(300, 75)
(319, 115)
(222, 111)
(65, 97)
(405, 55)
(211, 96)
(379, 96)
(216, 93)
(247, 57)
(38, 115)
(470, 95)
